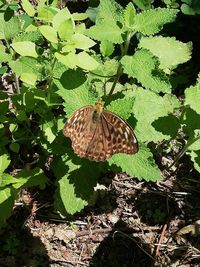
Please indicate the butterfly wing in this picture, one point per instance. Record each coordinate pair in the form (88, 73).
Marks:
(120, 136)
(112, 135)
(78, 129)
(99, 140)
(96, 149)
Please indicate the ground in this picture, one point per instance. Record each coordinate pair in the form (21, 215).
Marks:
(128, 223)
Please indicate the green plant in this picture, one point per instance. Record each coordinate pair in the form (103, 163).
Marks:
(57, 62)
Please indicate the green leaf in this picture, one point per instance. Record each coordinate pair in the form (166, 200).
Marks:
(192, 96)
(29, 78)
(69, 60)
(85, 61)
(61, 16)
(109, 16)
(29, 178)
(49, 33)
(46, 13)
(25, 48)
(26, 65)
(6, 179)
(106, 48)
(81, 41)
(75, 184)
(194, 141)
(143, 4)
(3, 70)
(4, 57)
(187, 10)
(152, 21)
(14, 147)
(79, 16)
(66, 29)
(28, 8)
(73, 84)
(8, 29)
(4, 161)
(110, 32)
(26, 21)
(191, 122)
(122, 107)
(153, 108)
(195, 157)
(48, 126)
(129, 15)
(144, 67)
(4, 107)
(33, 36)
(140, 165)
(169, 51)
(7, 198)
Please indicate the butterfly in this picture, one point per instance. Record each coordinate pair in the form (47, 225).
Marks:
(97, 134)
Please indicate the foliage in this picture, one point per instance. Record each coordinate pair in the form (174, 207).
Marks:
(58, 63)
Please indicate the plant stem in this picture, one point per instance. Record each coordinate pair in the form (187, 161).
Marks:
(182, 152)
(119, 70)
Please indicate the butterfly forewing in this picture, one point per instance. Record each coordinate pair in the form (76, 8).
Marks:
(99, 139)
(77, 128)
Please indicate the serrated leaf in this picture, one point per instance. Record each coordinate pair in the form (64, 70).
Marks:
(33, 36)
(85, 61)
(7, 198)
(122, 107)
(129, 15)
(49, 33)
(75, 185)
(192, 97)
(4, 161)
(73, 84)
(152, 21)
(29, 178)
(109, 16)
(140, 165)
(28, 8)
(144, 67)
(153, 107)
(169, 51)
(108, 68)
(8, 29)
(26, 65)
(110, 32)
(25, 48)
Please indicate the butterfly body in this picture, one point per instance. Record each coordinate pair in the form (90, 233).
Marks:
(97, 134)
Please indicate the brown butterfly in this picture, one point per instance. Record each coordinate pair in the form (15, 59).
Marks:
(97, 134)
